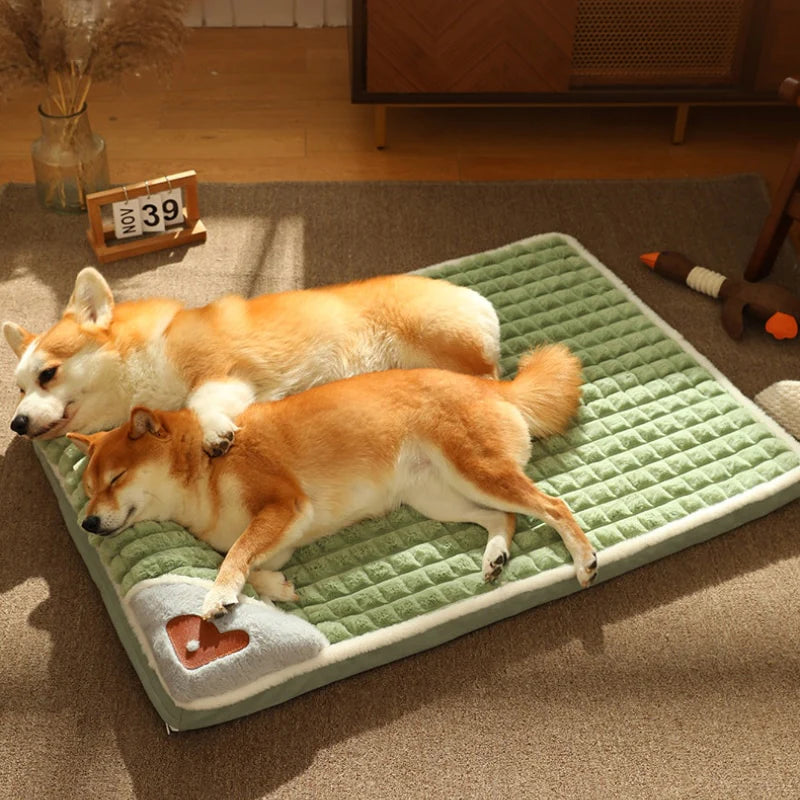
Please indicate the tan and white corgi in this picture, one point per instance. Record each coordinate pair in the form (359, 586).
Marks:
(451, 446)
(100, 360)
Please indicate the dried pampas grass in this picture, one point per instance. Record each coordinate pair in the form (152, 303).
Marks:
(64, 45)
(20, 24)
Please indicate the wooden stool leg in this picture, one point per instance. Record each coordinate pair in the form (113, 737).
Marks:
(681, 118)
(380, 127)
(785, 210)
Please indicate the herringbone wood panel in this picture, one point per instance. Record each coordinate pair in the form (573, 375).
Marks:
(471, 46)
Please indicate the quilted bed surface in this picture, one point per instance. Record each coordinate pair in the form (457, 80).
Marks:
(658, 438)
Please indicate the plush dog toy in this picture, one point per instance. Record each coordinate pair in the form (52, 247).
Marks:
(778, 306)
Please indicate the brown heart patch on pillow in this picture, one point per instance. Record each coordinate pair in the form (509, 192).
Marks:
(197, 642)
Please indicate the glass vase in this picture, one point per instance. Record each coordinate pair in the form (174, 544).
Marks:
(69, 161)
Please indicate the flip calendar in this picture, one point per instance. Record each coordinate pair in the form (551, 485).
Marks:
(147, 216)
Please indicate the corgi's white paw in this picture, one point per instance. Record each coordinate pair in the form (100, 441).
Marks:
(218, 601)
(494, 558)
(272, 585)
(218, 433)
(587, 572)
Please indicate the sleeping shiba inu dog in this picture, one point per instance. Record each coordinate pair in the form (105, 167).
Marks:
(451, 446)
(100, 360)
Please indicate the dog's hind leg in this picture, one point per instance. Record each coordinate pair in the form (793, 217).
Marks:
(273, 529)
(450, 327)
(437, 500)
(505, 486)
(498, 482)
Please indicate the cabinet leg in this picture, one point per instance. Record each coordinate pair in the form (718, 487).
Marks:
(380, 127)
(681, 118)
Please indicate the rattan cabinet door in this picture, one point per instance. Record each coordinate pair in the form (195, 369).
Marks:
(472, 46)
(660, 42)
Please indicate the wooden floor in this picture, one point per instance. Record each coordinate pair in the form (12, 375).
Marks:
(273, 104)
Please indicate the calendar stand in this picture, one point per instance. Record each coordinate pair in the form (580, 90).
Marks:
(100, 236)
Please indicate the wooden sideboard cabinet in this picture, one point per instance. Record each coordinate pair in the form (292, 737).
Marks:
(577, 52)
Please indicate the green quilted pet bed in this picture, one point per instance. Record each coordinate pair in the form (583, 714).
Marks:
(665, 453)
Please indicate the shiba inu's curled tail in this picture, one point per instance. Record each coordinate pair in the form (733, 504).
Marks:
(547, 388)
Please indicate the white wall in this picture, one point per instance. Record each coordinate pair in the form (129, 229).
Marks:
(258, 13)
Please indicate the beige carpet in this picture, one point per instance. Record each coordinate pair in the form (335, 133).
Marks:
(681, 679)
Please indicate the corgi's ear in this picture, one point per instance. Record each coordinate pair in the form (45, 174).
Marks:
(17, 337)
(86, 443)
(143, 421)
(92, 302)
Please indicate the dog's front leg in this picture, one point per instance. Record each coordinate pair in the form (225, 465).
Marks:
(274, 528)
(217, 404)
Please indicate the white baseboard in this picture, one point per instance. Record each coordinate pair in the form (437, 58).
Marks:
(335, 13)
(309, 13)
(266, 13)
(216, 13)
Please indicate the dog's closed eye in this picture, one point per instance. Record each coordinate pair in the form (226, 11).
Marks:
(46, 375)
(117, 477)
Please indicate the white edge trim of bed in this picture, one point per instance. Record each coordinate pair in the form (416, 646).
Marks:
(342, 651)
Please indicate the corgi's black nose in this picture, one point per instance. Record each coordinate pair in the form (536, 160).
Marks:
(20, 424)
(91, 524)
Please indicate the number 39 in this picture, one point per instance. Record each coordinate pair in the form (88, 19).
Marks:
(160, 210)
(151, 214)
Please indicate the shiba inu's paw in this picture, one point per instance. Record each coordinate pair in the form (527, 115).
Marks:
(218, 602)
(272, 585)
(217, 443)
(587, 573)
(494, 558)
